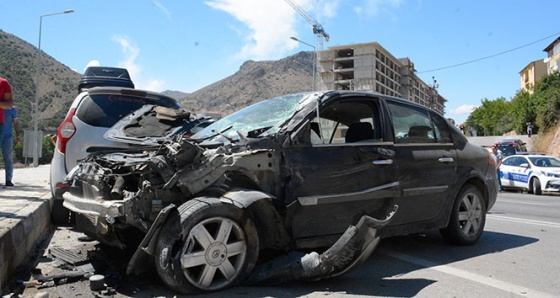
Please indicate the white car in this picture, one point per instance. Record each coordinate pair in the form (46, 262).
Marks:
(534, 173)
(90, 115)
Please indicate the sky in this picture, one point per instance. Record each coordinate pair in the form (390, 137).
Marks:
(473, 49)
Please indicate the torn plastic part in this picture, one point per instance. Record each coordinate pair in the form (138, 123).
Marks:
(139, 262)
(353, 247)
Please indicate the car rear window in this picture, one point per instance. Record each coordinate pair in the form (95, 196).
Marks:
(105, 110)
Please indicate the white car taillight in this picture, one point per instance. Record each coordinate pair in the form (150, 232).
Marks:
(65, 131)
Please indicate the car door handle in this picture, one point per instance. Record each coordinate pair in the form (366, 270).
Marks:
(383, 162)
(445, 159)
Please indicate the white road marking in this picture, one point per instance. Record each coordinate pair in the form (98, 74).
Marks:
(548, 204)
(527, 221)
(491, 282)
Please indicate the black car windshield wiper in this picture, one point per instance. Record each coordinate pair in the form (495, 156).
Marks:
(219, 133)
(257, 132)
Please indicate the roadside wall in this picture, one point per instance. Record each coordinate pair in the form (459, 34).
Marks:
(24, 217)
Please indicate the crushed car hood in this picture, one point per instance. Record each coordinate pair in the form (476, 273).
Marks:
(151, 125)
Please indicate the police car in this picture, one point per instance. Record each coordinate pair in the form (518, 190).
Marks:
(534, 173)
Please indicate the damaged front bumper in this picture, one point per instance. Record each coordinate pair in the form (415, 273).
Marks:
(100, 208)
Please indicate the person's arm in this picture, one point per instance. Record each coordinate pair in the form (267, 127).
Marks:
(15, 122)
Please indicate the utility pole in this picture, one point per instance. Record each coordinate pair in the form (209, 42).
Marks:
(434, 87)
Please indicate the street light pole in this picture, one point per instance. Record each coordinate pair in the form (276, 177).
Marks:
(36, 111)
(314, 85)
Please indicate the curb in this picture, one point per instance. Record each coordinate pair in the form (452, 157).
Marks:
(24, 217)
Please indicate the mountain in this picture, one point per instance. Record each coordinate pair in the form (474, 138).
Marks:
(175, 94)
(255, 81)
(58, 83)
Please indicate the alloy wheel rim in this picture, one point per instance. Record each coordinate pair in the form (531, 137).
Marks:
(214, 253)
(470, 214)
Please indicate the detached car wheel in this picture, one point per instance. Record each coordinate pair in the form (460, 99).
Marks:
(467, 217)
(213, 245)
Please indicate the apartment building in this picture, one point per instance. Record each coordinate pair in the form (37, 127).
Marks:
(370, 67)
(553, 56)
(533, 72)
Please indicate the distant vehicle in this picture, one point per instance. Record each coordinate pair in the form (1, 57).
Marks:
(518, 144)
(534, 173)
(506, 150)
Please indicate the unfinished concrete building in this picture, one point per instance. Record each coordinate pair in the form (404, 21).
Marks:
(369, 67)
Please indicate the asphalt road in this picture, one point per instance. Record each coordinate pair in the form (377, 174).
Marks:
(517, 256)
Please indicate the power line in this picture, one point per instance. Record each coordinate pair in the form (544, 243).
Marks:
(491, 56)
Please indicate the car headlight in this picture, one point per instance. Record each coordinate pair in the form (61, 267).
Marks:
(549, 174)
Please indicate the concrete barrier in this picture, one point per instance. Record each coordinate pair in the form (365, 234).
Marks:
(24, 217)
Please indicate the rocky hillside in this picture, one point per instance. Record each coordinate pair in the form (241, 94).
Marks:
(58, 83)
(255, 81)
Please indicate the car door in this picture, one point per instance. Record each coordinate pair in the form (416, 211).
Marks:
(426, 160)
(515, 172)
(345, 170)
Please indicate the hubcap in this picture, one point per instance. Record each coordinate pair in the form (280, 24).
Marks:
(470, 214)
(214, 253)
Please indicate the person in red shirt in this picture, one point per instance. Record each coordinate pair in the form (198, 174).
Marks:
(6, 101)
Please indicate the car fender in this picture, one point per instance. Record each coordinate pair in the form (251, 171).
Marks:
(262, 210)
(484, 182)
(477, 179)
(258, 205)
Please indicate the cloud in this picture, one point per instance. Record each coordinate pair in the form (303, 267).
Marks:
(154, 85)
(162, 9)
(270, 24)
(92, 63)
(131, 53)
(463, 110)
(371, 8)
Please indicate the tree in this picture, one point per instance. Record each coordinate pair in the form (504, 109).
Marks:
(540, 105)
(47, 151)
(493, 117)
(524, 109)
(547, 95)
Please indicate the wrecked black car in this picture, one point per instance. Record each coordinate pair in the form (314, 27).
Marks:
(297, 187)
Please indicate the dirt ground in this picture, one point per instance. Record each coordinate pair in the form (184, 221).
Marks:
(66, 260)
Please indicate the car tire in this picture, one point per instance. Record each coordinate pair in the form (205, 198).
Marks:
(60, 215)
(468, 217)
(217, 260)
(535, 186)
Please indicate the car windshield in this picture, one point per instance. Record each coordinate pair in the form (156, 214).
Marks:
(543, 161)
(506, 150)
(261, 118)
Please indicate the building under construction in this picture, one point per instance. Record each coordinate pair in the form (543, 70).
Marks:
(369, 67)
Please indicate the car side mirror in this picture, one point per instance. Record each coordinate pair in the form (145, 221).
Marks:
(524, 165)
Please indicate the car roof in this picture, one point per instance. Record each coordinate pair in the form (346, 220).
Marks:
(532, 155)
